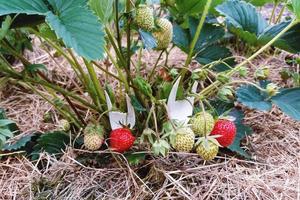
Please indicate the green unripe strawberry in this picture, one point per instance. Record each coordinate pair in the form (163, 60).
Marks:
(93, 137)
(144, 17)
(207, 149)
(184, 140)
(202, 123)
(64, 125)
(164, 33)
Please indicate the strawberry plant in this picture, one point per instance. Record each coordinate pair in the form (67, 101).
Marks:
(188, 107)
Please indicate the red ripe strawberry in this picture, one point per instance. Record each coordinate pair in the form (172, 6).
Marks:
(121, 139)
(227, 131)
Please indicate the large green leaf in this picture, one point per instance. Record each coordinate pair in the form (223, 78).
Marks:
(22, 142)
(253, 98)
(78, 28)
(243, 15)
(103, 9)
(71, 20)
(5, 27)
(259, 2)
(214, 53)
(12, 126)
(243, 19)
(64, 5)
(290, 41)
(296, 6)
(51, 142)
(207, 49)
(189, 7)
(209, 35)
(242, 132)
(148, 39)
(288, 101)
(181, 38)
(6, 122)
(23, 6)
(212, 10)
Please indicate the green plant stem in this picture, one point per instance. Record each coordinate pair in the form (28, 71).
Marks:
(246, 82)
(117, 25)
(139, 62)
(196, 37)
(280, 14)
(26, 63)
(106, 71)
(120, 73)
(73, 62)
(60, 51)
(86, 80)
(128, 34)
(119, 54)
(60, 90)
(112, 41)
(8, 47)
(46, 83)
(155, 65)
(273, 12)
(98, 87)
(75, 110)
(64, 113)
(207, 91)
(62, 68)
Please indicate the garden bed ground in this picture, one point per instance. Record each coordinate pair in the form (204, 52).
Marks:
(274, 173)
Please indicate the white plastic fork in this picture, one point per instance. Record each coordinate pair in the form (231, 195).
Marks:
(118, 119)
(180, 110)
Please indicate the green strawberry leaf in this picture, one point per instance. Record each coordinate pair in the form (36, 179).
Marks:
(259, 2)
(189, 7)
(206, 50)
(288, 100)
(221, 107)
(243, 19)
(12, 126)
(23, 6)
(148, 39)
(215, 53)
(5, 27)
(296, 7)
(135, 158)
(253, 98)
(22, 142)
(288, 42)
(51, 142)
(78, 28)
(136, 104)
(71, 20)
(242, 132)
(181, 38)
(103, 9)
(5, 122)
(210, 34)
